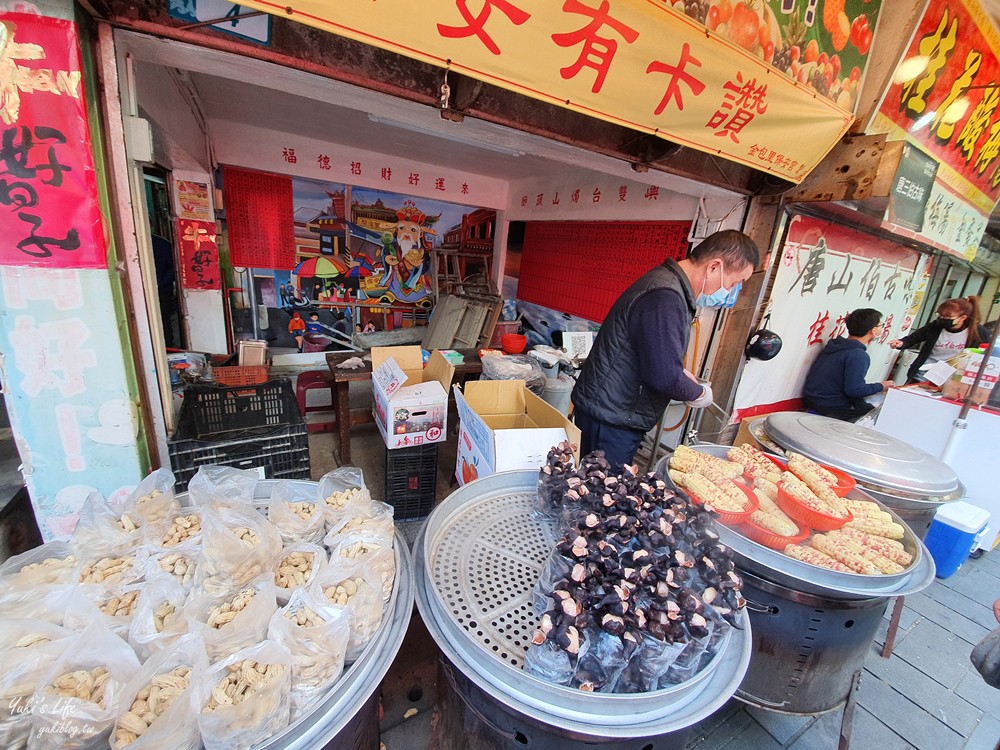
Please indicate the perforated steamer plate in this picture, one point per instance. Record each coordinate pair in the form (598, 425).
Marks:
(478, 559)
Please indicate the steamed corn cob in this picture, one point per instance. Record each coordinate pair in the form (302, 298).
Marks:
(885, 565)
(866, 508)
(800, 491)
(822, 490)
(685, 459)
(781, 525)
(889, 547)
(813, 556)
(844, 554)
(755, 463)
(808, 465)
(766, 487)
(888, 529)
(711, 494)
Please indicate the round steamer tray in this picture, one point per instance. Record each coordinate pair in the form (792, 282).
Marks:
(779, 568)
(332, 713)
(477, 561)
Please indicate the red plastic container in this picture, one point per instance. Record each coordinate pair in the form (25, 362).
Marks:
(733, 518)
(806, 515)
(769, 539)
(845, 483)
(513, 343)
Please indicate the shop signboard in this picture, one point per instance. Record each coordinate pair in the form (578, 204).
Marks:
(945, 99)
(705, 83)
(911, 188)
(199, 251)
(952, 222)
(826, 270)
(49, 211)
(230, 17)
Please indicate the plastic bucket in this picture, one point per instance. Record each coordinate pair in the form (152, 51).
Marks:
(315, 342)
(557, 393)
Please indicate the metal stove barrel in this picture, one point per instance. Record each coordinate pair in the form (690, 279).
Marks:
(812, 627)
(347, 715)
(477, 559)
(910, 481)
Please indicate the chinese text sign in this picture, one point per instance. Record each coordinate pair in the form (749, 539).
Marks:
(49, 210)
(636, 63)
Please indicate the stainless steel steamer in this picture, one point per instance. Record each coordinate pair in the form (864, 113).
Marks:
(477, 560)
(812, 627)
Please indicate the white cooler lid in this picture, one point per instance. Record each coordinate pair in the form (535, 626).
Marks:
(963, 516)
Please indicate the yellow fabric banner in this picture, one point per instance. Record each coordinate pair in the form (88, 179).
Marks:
(636, 63)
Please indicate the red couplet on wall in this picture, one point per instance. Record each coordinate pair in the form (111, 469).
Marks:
(581, 268)
(49, 210)
(199, 250)
(259, 219)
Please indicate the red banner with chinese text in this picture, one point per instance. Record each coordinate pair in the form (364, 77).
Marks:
(199, 251)
(642, 64)
(49, 210)
(949, 105)
(259, 219)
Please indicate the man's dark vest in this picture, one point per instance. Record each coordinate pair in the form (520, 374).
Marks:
(609, 387)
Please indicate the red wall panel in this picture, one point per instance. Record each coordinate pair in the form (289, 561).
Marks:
(259, 219)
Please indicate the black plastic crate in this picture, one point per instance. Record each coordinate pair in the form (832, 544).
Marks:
(211, 411)
(411, 480)
(283, 453)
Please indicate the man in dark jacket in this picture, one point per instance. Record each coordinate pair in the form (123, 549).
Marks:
(636, 366)
(835, 386)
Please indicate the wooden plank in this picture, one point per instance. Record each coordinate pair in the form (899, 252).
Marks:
(847, 173)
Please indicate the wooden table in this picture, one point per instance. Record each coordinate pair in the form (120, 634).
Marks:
(342, 379)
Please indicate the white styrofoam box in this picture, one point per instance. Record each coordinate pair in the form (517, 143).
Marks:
(963, 516)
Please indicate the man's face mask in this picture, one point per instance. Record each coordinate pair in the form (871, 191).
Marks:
(723, 297)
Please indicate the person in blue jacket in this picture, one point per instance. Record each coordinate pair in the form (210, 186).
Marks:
(835, 385)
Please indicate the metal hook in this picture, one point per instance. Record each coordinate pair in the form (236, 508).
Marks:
(445, 92)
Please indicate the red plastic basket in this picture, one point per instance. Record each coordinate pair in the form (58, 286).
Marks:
(241, 375)
(845, 482)
(733, 518)
(806, 515)
(769, 539)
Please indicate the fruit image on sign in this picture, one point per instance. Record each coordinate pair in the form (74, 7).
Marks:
(822, 45)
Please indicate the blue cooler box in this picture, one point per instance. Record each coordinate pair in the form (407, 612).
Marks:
(952, 535)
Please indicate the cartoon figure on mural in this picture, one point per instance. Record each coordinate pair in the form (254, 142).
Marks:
(406, 259)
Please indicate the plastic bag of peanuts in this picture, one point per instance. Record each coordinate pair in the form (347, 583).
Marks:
(316, 635)
(82, 693)
(53, 563)
(29, 647)
(102, 524)
(297, 566)
(297, 513)
(238, 544)
(157, 713)
(371, 549)
(223, 486)
(158, 622)
(234, 619)
(245, 698)
(357, 588)
(371, 517)
(342, 487)
(153, 499)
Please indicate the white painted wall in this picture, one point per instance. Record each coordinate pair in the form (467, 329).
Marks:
(178, 139)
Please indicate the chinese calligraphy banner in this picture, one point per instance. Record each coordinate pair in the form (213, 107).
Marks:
(641, 64)
(199, 252)
(827, 270)
(949, 105)
(49, 210)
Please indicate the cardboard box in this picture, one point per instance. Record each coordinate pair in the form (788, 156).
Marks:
(957, 387)
(504, 427)
(411, 401)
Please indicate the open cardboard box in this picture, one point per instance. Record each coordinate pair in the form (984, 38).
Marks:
(411, 401)
(504, 427)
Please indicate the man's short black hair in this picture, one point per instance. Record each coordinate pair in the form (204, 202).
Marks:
(734, 248)
(861, 321)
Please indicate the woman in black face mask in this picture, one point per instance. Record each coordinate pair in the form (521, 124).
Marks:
(956, 328)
